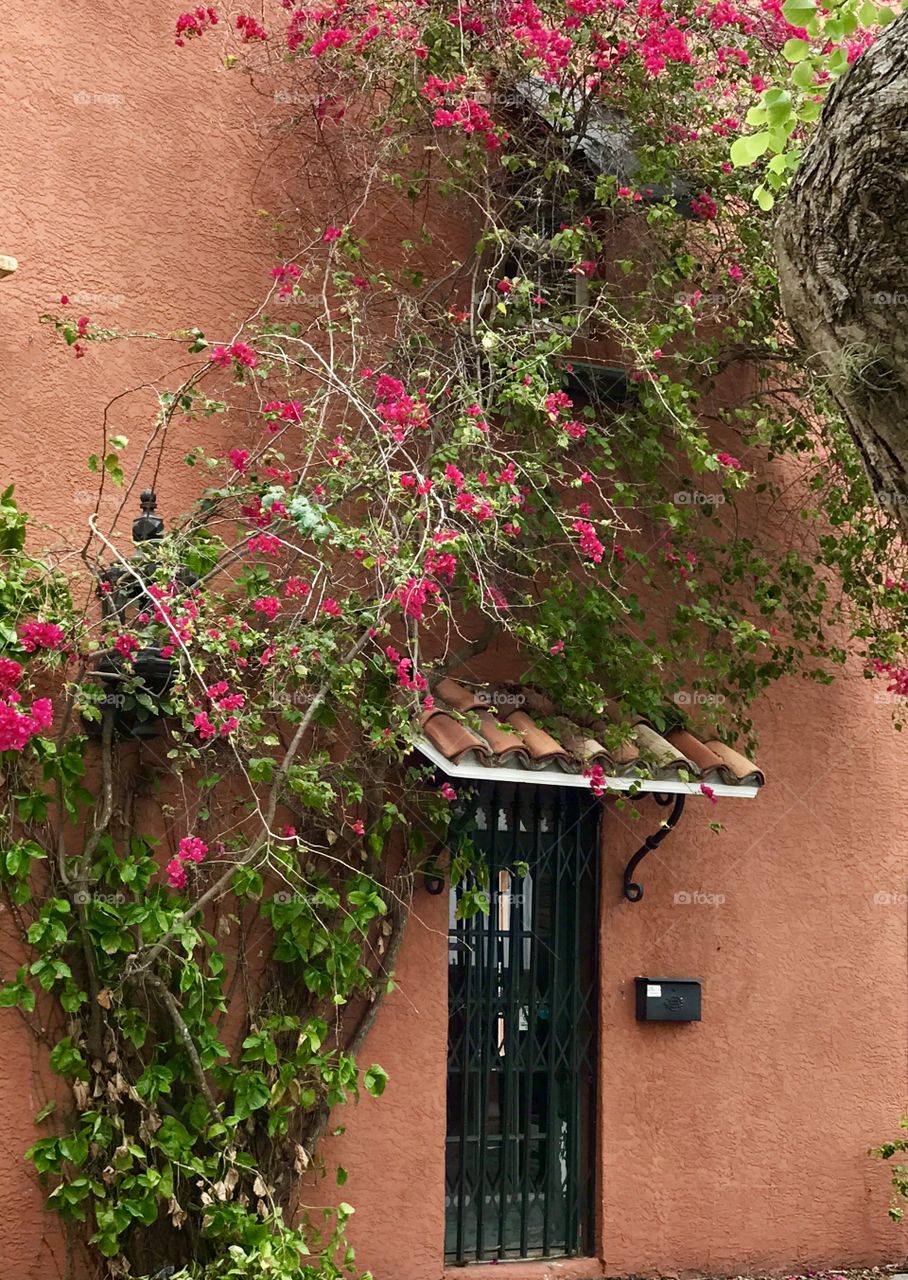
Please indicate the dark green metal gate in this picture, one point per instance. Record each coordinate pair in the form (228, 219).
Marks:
(522, 992)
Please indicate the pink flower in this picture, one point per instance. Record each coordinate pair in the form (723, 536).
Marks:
(557, 647)
(192, 849)
(239, 351)
(332, 233)
(331, 607)
(203, 726)
(704, 206)
(176, 874)
(589, 541)
(597, 779)
(42, 713)
(126, 646)
(41, 635)
(447, 792)
(267, 606)
(358, 826)
(414, 595)
(193, 24)
(239, 459)
(727, 460)
(709, 793)
(265, 543)
(17, 727)
(296, 587)
(251, 29)
(10, 674)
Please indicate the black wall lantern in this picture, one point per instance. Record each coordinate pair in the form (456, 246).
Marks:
(131, 682)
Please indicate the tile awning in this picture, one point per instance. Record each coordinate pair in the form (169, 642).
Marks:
(486, 733)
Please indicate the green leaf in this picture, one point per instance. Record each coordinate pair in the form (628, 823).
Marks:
(261, 769)
(799, 12)
(745, 151)
(796, 50)
(250, 1093)
(803, 75)
(375, 1081)
(764, 199)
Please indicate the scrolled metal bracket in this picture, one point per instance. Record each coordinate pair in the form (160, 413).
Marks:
(433, 877)
(633, 891)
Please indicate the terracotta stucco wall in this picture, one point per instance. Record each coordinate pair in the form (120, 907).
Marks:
(741, 1141)
(128, 172)
(127, 181)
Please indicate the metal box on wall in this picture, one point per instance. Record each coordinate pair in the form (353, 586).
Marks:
(668, 999)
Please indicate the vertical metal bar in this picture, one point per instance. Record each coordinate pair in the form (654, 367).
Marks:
(529, 1058)
(572, 1223)
(466, 934)
(593, 1045)
(551, 1153)
(592, 1063)
(509, 1077)
(488, 993)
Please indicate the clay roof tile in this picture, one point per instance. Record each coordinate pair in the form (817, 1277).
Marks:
(514, 739)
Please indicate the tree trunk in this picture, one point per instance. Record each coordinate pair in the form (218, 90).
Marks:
(842, 249)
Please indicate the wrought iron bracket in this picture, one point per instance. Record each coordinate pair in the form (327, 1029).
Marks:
(633, 891)
(433, 876)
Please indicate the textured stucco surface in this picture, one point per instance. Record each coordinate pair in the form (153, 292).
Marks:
(735, 1143)
(740, 1142)
(127, 175)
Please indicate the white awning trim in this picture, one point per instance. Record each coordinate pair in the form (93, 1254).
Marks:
(555, 778)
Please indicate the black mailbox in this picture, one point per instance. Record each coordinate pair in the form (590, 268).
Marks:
(668, 999)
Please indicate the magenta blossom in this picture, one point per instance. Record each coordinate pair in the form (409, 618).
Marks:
(41, 635)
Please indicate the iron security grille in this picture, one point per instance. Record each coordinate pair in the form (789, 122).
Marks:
(522, 1030)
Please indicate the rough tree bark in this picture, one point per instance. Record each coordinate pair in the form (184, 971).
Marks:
(842, 250)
